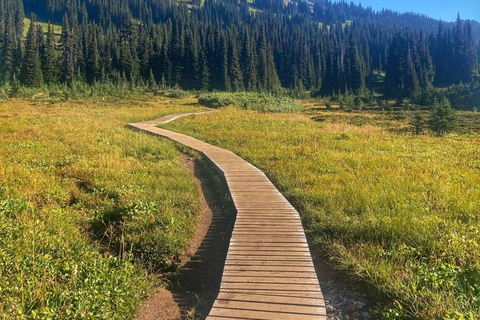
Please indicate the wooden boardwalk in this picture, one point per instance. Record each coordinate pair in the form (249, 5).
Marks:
(269, 273)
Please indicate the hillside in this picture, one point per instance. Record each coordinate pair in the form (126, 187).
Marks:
(320, 47)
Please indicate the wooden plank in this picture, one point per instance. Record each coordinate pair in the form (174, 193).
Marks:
(277, 293)
(268, 272)
(275, 280)
(269, 306)
(280, 269)
(285, 264)
(269, 252)
(266, 298)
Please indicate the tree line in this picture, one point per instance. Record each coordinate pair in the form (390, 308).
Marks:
(327, 48)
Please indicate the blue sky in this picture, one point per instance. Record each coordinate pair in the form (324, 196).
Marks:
(438, 9)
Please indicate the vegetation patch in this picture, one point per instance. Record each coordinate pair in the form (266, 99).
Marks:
(396, 210)
(250, 101)
(88, 207)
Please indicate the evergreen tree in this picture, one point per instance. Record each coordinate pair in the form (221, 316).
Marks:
(443, 118)
(49, 67)
(93, 57)
(10, 56)
(204, 72)
(417, 123)
(152, 83)
(354, 67)
(249, 63)
(31, 73)
(68, 52)
(235, 72)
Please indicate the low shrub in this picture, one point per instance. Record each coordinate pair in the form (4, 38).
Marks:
(172, 93)
(251, 101)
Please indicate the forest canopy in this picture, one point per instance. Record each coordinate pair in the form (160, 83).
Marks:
(266, 46)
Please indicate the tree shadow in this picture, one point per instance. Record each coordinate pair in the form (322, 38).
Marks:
(196, 286)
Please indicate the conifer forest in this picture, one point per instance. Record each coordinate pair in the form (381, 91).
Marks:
(321, 47)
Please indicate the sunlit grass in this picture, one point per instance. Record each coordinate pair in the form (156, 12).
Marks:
(395, 210)
(57, 29)
(87, 207)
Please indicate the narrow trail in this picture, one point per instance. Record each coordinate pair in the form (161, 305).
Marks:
(268, 272)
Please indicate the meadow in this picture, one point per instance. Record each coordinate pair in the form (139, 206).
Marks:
(395, 211)
(91, 212)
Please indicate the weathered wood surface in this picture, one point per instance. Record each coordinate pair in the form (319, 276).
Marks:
(269, 273)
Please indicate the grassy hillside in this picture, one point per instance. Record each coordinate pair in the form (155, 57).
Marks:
(57, 29)
(82, 200)
(395, 210)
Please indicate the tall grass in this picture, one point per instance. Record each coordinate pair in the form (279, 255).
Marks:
(398, 211)
(87, 207)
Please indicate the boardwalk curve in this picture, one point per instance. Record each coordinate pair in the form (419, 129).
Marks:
(268, 273)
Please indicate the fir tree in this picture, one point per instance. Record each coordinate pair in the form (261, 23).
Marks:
(417, 123)
(354, 67)
(10, 56)
(49, 67)
(249, 63)
(204, 72)
(235, 72)
(443, 118)
(93, 59)
(31, 73)
(68, 52)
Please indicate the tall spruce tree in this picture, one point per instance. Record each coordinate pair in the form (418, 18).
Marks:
(31, 73)
(234, 69)
(93, 57)
(49, 65)
(10, 53)
(354, 67)
(68, 53)
(443, 118)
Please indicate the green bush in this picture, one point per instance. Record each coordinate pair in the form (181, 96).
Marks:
(443, 118)
(172, 93)
(177, 93)
(78, 90)
(464, 96)
(250, 100)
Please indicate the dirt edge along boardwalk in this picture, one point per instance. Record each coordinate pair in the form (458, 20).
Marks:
(268, 273)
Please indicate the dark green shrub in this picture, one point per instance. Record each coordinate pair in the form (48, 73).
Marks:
(443, 118)
(264, 102)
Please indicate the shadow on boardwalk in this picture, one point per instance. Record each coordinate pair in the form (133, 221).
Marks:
(199, 279)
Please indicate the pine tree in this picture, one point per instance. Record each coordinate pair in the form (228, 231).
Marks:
(31, 73)
(354, 67)
(10, 56)
(49, 67)
(223, 58)
(417, 123)
(204, 72)
(249, 63)
(235, 72)
(443, 118)
(68, 48)
(395, 68)
(411, 83)
(92, 71)
(152, 83)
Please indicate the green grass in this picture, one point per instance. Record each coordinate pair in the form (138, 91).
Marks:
(57, 29)
(88, 207)
(397, 211)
